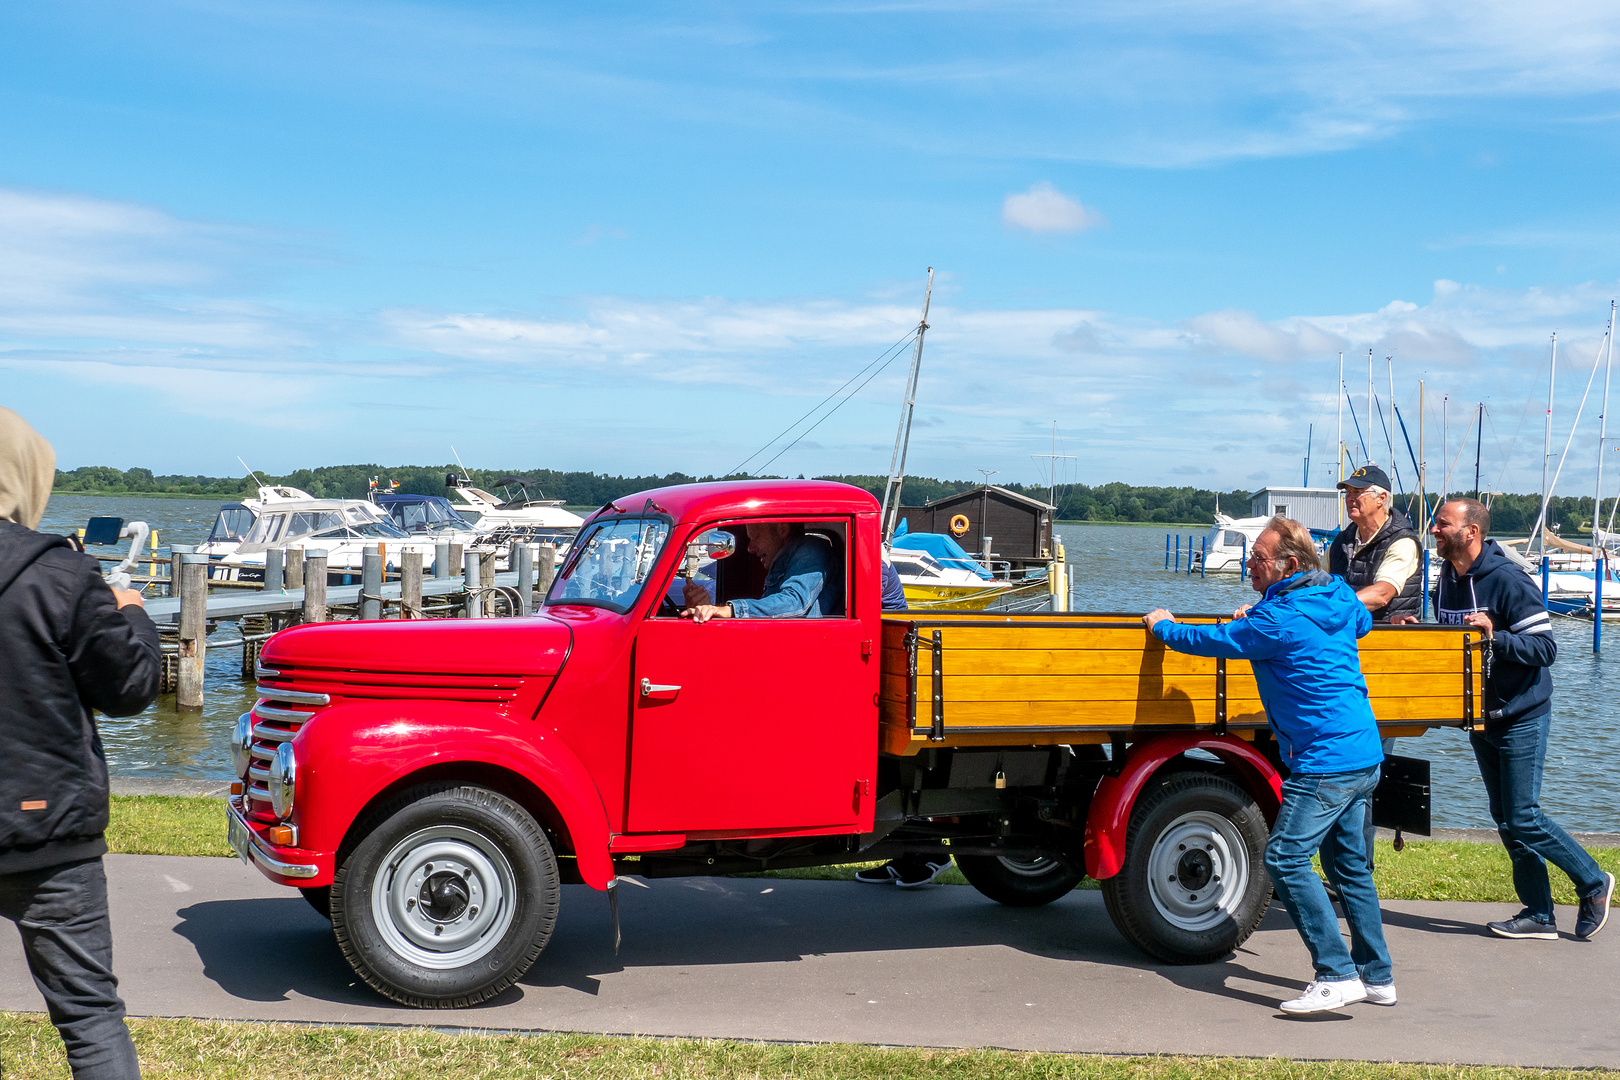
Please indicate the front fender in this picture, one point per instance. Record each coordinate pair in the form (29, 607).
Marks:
(350, 753)
(1115, 797)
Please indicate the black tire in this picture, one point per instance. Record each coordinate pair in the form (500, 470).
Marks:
(1206, 838)
(320, 898)
(1020, 882)
(495, 888)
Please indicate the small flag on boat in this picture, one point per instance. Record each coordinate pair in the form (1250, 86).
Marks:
(393, 485)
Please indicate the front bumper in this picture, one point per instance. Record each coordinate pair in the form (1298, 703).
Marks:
(283, 865)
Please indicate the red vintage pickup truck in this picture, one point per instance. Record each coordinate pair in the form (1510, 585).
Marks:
(431, 785)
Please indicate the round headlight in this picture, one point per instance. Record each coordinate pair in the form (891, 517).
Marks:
(283, 780)
(242, 744)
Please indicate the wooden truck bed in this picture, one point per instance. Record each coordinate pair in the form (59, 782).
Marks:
(972, 679)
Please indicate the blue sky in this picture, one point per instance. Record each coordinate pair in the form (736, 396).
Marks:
(639, 239)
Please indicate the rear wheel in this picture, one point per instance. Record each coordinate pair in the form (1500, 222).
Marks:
(449, 900)
(1194, 884)
(1020, 882)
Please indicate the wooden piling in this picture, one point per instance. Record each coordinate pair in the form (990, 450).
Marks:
(410, 585)
(193, 578)
(523, 562)
(456, 560)
(371, 577)
(486, 578)
(175, 552)
(295, 568)
(472, 608)
(275, 570)
(547, 570)
(314, 586)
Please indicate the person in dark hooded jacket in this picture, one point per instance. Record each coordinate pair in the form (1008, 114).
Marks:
(68, 644)
(1479, 586)
(1300, 638)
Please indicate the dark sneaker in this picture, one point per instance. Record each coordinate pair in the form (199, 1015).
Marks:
(878, 875)
(1524, 925)
(915, 873)
(1595, 910)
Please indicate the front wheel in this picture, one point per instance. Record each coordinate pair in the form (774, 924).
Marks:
(1194, 884)
(1020, 882)
(449, 900)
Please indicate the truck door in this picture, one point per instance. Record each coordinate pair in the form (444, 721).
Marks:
(753, 725)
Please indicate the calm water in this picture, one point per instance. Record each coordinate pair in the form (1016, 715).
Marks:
(1115, 568)
(1120, 568)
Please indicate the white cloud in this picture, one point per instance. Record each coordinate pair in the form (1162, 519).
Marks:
(1045, 209)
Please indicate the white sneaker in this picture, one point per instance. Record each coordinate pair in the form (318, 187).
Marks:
(1380, 995)
(1322, 996)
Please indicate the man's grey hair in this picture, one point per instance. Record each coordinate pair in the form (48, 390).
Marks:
(1293, 542)
(1385, 496)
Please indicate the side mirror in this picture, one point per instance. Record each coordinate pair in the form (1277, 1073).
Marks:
(714, 544)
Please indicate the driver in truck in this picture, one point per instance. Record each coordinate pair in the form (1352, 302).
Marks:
(1301, 641)
(799, 578)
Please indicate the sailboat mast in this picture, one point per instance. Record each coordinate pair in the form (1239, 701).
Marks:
(1479, 438)
(902, 438)
(1423, 471)
(1389, 429)
(1339, 465)
(1603, 429)
(1370, 402)
(1546, 449)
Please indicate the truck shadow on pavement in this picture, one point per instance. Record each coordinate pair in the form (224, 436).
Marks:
(268, 949)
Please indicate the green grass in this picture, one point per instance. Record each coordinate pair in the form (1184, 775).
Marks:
(220, 1050)
(167, 825)
(1425, 870)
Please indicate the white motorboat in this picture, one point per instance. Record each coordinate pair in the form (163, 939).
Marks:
(935, 572)
(236, 519)
(535, 521)
(1228, 542)
(340, 527)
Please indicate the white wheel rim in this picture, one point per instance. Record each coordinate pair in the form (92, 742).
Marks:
(1198, 870)
(443, 897)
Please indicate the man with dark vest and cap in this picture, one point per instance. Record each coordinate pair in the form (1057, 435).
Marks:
(1377, 554)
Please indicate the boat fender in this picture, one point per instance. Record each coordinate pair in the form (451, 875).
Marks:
(959, 524)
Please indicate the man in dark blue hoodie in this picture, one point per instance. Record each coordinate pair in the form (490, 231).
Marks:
(1479, 586)
(1300, 639)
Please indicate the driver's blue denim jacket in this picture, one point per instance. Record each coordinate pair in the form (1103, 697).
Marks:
(800, 584)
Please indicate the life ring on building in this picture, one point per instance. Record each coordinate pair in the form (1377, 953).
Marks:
(959, 524)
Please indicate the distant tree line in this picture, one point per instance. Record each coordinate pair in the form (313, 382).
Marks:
(1510, 514)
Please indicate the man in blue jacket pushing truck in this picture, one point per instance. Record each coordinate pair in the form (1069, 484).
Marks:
(1301, 640)
(1479, 586)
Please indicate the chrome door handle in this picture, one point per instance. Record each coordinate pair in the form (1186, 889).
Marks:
(649, 688)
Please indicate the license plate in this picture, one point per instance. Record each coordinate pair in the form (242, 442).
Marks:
(237, 833)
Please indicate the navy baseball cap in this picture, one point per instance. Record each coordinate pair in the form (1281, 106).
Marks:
(1366, 476)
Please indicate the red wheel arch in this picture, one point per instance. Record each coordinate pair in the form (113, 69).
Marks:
(1115, 797)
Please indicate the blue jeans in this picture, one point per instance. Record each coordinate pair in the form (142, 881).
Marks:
(1327, 812)
(1511, 757)
(61, 912)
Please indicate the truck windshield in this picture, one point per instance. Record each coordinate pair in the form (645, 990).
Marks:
(610, 563)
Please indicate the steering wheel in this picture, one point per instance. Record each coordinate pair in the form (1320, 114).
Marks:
(668, 609)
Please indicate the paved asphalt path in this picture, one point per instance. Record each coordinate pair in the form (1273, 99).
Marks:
(835, 961)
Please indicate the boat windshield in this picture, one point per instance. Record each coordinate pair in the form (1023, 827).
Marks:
(234, 522)
(610, 563)
(431, 515)
(366, 530)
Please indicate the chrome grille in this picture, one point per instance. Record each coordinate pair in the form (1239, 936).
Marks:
(275, 722)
